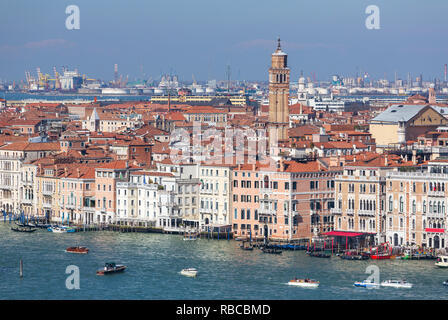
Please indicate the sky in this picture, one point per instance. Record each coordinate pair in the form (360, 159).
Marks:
(199, 38)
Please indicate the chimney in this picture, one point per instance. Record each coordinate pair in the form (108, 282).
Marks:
(78, 172)
(65, 171)
(386, 160)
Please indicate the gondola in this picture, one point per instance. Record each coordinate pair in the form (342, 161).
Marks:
(318, 254)
(23, 229)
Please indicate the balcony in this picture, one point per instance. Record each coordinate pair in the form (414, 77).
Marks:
(6, 187)
(366, 213)
(436, 193)
(266, 211)
(27, 201)
(350, 212)
(47, 192)
(336, 211)
(47, 205)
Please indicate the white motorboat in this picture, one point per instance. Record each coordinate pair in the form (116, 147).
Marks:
(442, 262)
(396, 284)
(189, 272)
(304, 283)
(366, 284)
(57, 230)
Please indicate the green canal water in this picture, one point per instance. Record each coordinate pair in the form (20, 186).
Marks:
(225, 271)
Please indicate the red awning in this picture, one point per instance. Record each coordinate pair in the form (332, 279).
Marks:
(343, 234)
(434, 230)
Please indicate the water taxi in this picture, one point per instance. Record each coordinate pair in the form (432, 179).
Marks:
(81, 250)
(304, 283)
(396, 284)
(366, 284)
(111, 267)
(442, 262)
(189, 272)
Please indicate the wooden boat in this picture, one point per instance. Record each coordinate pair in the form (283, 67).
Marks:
(189, 272)
(247, 246)
(304, 283)
(396, 284)
(318, 254)
(23, 229)
(271, 250)
(81, 250)
(111, 267)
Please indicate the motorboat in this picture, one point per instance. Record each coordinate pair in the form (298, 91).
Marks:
(366, 284)
(304, 283)
(111, 267)
(445, 283)
(189, 272)
(60, 229)
(81, 250)
(57, 229)
(396, 284)
(442, 262)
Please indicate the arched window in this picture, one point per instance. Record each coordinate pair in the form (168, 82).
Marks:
(424, 206)
(414, 207)
(430, 206)
(391, 203)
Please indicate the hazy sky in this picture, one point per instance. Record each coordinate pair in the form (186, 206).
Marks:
(201, 37)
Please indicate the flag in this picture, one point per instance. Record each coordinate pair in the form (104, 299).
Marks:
(144, 180)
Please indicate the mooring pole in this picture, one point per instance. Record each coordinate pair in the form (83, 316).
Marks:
(21, 268)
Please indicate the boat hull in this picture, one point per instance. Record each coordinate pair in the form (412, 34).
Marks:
(189, 273)
(366, 285)
(304, 284)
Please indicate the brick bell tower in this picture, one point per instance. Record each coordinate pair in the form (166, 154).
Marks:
(279, 94)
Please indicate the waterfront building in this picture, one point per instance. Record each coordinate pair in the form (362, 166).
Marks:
(360, 193)
(214, 195)
(106, 178)
(12, 156)
(188, 185)
(48, 192)
(148, 199)
(291, 202)
(77, 193)
(415, 212)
